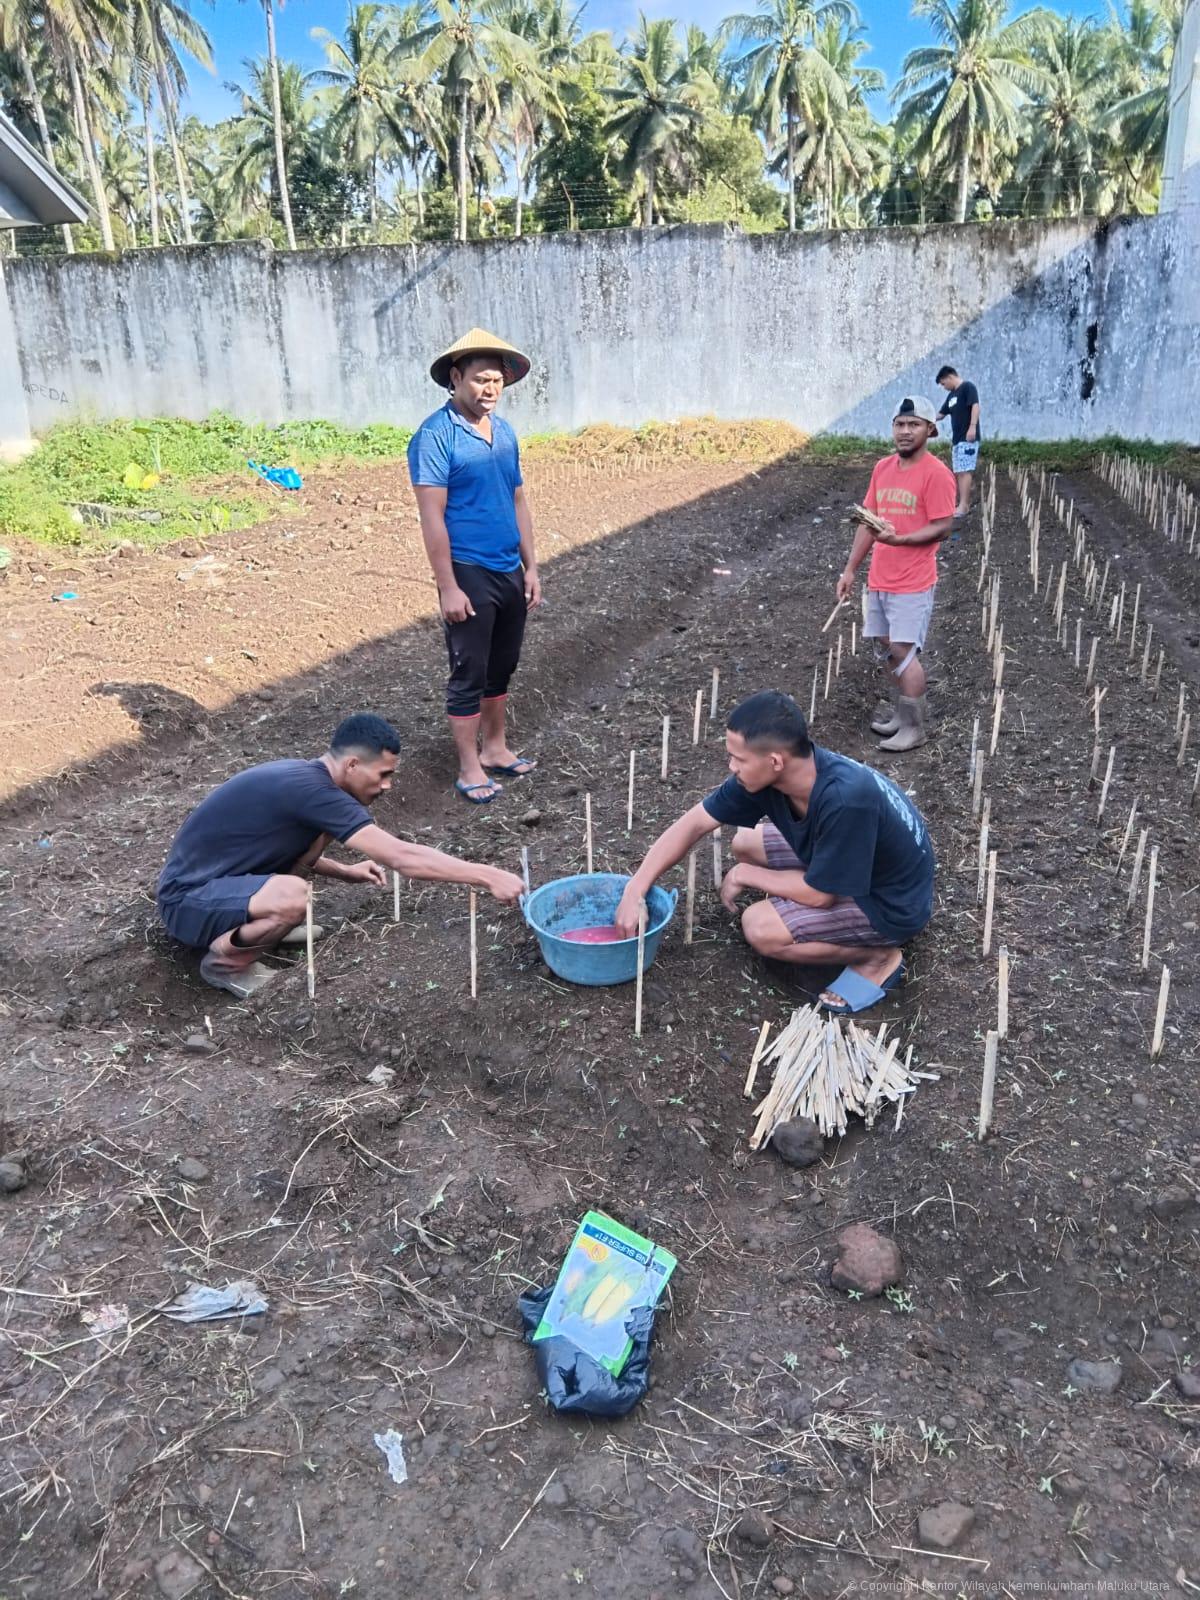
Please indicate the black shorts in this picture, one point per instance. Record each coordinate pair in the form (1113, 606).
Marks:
(201, 914)
(484, 650)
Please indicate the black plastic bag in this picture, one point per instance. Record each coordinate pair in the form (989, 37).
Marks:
(573, 1381)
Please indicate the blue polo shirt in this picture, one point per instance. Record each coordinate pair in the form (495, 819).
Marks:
(480, 479)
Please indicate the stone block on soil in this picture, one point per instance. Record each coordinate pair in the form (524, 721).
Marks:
(177, 1574)
(1172, 1202)
(1100, 1377)
(944, 1526)
(12, 1177)
(754, 1529)
(798, 1142)
(867, 1261)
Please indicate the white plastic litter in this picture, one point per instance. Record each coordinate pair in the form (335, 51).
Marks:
(392, 1445)
(382, 1077)
(108, 1318)
(202, 1302)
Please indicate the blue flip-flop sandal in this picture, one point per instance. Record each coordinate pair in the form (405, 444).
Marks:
(467, 790)
(859, 993)
(520, 768)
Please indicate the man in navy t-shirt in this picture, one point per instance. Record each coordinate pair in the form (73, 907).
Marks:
(842, 855)
(236, 881)
(478, 531)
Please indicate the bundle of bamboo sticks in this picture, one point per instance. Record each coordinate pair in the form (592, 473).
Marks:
(828, 1073)
(861, 514)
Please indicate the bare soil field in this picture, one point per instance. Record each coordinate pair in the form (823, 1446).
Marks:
(793, 1435)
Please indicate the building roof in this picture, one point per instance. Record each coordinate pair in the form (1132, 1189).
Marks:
(31, 192)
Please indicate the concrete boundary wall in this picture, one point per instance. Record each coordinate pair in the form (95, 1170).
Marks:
(1071, 330)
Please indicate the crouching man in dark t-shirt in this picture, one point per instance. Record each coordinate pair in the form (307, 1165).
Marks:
(236, 881)
(842, 855)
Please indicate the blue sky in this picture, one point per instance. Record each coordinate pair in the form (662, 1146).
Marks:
(236, 29)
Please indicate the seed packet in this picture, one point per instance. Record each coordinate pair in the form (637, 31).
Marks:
(607, 1272)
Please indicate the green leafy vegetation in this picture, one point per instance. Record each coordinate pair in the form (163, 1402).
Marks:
(196, 474)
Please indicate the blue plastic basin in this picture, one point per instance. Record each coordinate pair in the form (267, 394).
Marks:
(590, 900)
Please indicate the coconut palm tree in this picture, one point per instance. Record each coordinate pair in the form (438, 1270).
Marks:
(660, 102)
(470, 53)
(21, 37)
(1137, 122)
(1058, 170)
(274, 100)
(79, 36)
(277, 114)
(782, 69)
(158, 31)
(360, 94)
(966, 92)
(530, 102)
(841, 145)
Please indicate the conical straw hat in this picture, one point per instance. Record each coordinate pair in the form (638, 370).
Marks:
(480, 342)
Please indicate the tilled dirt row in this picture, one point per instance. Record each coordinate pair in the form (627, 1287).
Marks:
(795, 1439)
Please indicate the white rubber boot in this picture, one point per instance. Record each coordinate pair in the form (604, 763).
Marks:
(911, 734)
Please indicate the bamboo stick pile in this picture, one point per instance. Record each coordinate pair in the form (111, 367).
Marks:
(829, 1073)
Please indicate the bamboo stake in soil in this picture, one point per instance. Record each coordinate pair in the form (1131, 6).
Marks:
(1179, 709)
(1078, 637)
(696, 716)
(395, 897)
(1158, 672)
(587, 815)
(1160, 1017)
(1146, 651)
(829, 619)
(690, 908)
(812, 704)
(1091, 666)
(977, 796)
(474, 946)
(991, 902)
(641, 969)
(1137, 602)
(988, 1091)
(1128, 834)
(1150, 883)
(716, 684)
(629, 806)
(1108, 771)
(1183, 742)
(525, 865)
(748, 1088)
(996, 722)
(717, 874)
(981, 881)
(666, 744)
(1002, 994)
(1136, 874)
(853, 636)
(828, 674)
(308, 943)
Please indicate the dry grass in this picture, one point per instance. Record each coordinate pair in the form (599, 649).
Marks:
(754, 441)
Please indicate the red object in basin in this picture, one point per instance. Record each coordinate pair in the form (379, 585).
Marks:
(606, 934)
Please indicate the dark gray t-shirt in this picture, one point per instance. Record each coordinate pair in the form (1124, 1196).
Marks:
(861, 838)
(957, 407)
(260, 821)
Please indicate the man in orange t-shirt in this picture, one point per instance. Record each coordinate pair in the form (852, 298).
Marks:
(914, 494)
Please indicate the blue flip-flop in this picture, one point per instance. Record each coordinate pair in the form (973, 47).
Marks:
(520, 768)
(859, 993)
(467, 790)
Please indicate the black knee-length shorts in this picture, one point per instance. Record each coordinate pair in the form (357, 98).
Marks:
(484, 650)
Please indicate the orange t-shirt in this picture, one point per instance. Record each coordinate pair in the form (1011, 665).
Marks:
(910, 497)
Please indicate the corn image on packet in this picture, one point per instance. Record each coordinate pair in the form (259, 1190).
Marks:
(608, 1271)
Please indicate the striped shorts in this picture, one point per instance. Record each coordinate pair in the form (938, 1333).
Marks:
(840, 923)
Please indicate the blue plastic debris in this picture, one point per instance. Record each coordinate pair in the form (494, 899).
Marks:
(279, 477)
(67, 594)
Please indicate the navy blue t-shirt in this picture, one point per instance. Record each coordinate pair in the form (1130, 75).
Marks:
(479, 478)
(260, 821)
(861, 838)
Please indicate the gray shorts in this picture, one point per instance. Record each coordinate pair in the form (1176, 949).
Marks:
(902, 618)
(964, 456)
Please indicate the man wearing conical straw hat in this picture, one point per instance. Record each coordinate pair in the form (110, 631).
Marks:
(478, 531)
